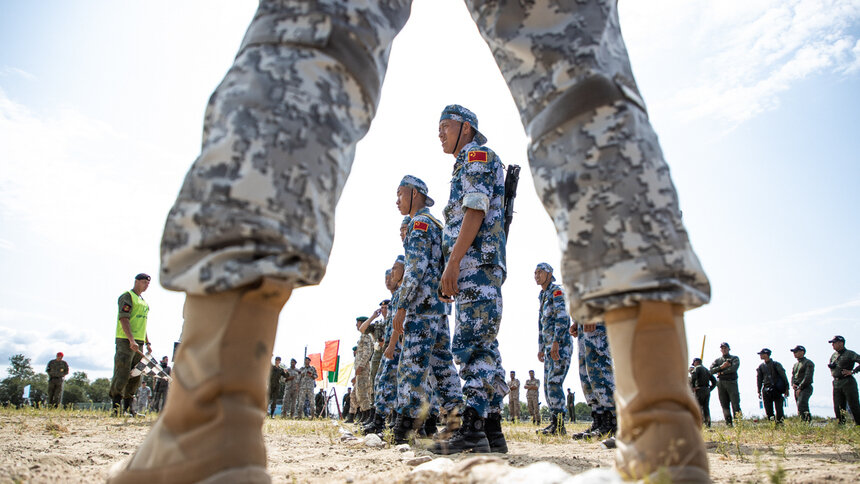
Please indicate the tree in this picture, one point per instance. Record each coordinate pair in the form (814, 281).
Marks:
(100, 390)
(76, 389)
(20, 375)
(21, 367)
(583, 411)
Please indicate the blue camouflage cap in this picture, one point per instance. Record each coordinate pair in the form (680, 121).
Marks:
(463, 115)
(543, 266)
(418, 184)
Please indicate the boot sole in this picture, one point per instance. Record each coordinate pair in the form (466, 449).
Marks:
(247, 475)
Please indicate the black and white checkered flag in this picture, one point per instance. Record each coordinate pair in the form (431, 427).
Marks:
(150, 367)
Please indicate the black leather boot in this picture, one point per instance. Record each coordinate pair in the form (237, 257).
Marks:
(430, 427)
(469, 438)
(349, 418)
(368, 417)
(495, 437)
(116, 406)
(549, 429)
(403, 429)
(377, 426)
(597, 421)
(128, 407)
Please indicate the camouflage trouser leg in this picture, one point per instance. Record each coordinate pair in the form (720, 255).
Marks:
(514, 405)
(476, 350)
(123, 384)
(433, 391)
(363, 389)
(596, 162)
(55, 391)
(289, 405)
(386, 387)
(414, 365)
(595, 369)
(554, 373)
(534, 407)
(305, 400)
(442, 368)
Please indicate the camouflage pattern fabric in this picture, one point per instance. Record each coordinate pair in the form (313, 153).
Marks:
(595, 369)
(514, 398)
(553, 325)
(532, 398)
(476, 349)
(418, 292)
(363, 383)
(385, 396)
(291, 393)
(307, 378)
(281, 129)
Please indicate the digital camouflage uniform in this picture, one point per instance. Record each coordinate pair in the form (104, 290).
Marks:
(727, 386)
(514, 398)
(363, 382)
(385, 398)
(801, 380)
(426, 340)
(595, 370)
(532, 398)
(553, 325)
(307, 380)
(57, 369)
(478, 183)
(377, 331)
(291, 392)
(845, 387)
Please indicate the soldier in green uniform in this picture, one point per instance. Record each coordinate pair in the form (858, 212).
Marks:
(801, 382)
(726, 369)
(772, 385)
(57, 370)
(842, 367)
(130, 335)
(275, 376)
(702, 383)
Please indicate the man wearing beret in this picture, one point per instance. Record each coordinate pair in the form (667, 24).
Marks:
(842, 368)
(130, 336)
(772, 385)
(801, 382)
(254, 218)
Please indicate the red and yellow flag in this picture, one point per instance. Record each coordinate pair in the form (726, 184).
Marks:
(478, 156)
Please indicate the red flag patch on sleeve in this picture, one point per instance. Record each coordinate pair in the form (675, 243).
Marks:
(422, 226)
(556, 293)
(478, 156)
(126, 308)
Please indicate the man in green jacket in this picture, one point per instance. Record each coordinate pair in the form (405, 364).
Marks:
(801, 382)
(726, 369)
(844, 385)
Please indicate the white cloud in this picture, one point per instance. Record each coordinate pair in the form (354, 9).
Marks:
(14, 71)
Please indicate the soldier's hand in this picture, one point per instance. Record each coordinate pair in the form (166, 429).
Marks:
(725, 364)
(589, 327)
(554, 352)
(449, 279)
(134, 346)
(847, 373)
(540, 356)
(573, 332)
(389, 351)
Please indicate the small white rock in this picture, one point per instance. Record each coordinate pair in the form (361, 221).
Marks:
(436, 466)
(373, 440)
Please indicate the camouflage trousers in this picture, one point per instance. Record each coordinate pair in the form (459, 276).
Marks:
(281, 130)
(534, 406)
(291, 395)
(595, 369)
(385, 386)
(476, 351)
(514, 405)
(363, 390)
(55, 391)
(305, 397)
(554, 373)
(426, 371)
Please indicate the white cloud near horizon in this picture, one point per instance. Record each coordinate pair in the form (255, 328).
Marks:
(744, 54)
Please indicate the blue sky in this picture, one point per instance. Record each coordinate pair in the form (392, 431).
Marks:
(756, 104)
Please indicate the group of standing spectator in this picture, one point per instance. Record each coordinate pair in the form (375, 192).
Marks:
(297, 393)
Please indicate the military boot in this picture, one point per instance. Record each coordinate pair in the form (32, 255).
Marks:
(549, 428)
(369, 416)
(659, 421)
(429, 426)
(596, 423)
(495, 437)
(116, 406)
(348, 418)
(470, 437)
(211, 428)
(403, 429)
(609, 425)
(128, 407)
(377, 426)
(452, 422)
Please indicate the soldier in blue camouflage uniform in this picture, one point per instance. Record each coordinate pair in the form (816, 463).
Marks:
(473, 242)
(598, 381)
(421, 316)
(555, 346)
(255, 216)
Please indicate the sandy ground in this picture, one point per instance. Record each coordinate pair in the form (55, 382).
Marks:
(80, 447)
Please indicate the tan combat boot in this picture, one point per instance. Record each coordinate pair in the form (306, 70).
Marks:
(659, 422)
(211, 428)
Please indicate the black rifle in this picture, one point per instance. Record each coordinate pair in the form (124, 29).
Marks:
(511, 180)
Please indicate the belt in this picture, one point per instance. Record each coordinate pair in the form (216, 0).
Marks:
(728, 378)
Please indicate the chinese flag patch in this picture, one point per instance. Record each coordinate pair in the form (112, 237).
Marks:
(126, 308)
(478, 156)
(418, 225)
(556, 293)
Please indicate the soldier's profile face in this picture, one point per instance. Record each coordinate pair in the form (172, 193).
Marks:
(799, 354)
(404, 195)
(724, 350)
(448, 131)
